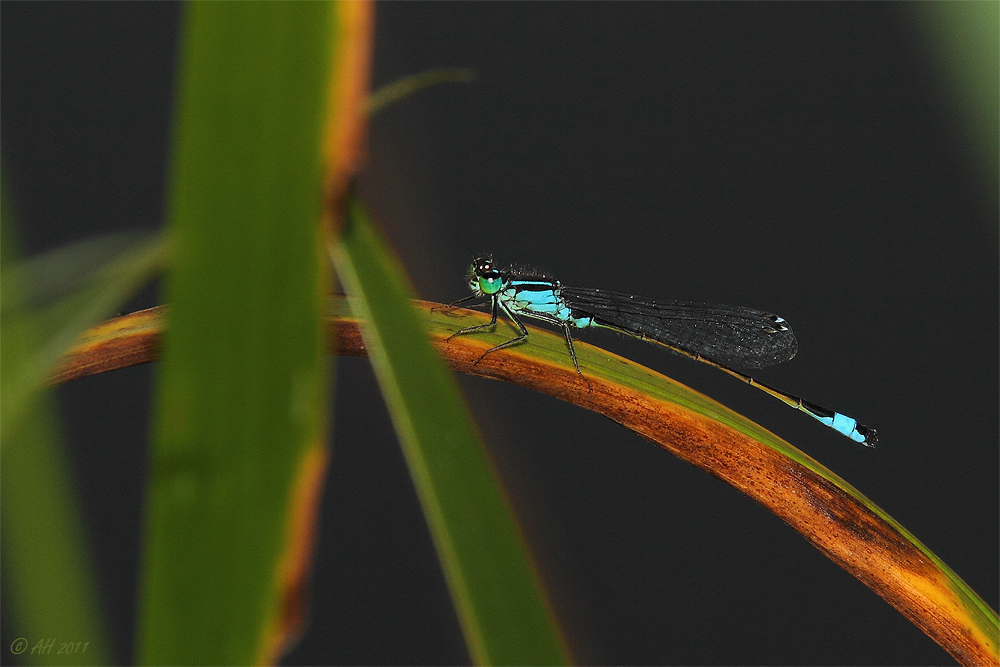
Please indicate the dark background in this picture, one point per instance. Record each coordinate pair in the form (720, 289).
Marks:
(799, 158)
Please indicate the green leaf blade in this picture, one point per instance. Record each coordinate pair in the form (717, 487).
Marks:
(242, 388)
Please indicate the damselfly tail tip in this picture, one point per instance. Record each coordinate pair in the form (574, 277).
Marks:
(869, 435)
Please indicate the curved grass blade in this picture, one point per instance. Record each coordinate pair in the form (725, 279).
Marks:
(837, 519)
(403, 88)
(501, 607)
(842, 523)
(239, 441)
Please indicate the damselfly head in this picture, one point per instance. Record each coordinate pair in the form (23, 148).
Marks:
(484, 278)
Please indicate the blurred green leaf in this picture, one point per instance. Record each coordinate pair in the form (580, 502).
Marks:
(47, 573)
(500, 605)
(47, 570)
(963, 40)
(242, 393)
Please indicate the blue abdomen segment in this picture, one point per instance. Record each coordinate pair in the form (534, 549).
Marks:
(540, 299)
(844, 424)
(841, 423)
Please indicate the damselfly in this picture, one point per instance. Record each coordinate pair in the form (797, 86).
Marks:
(727, 337)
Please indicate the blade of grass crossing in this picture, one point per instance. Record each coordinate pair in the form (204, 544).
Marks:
(502, 610)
